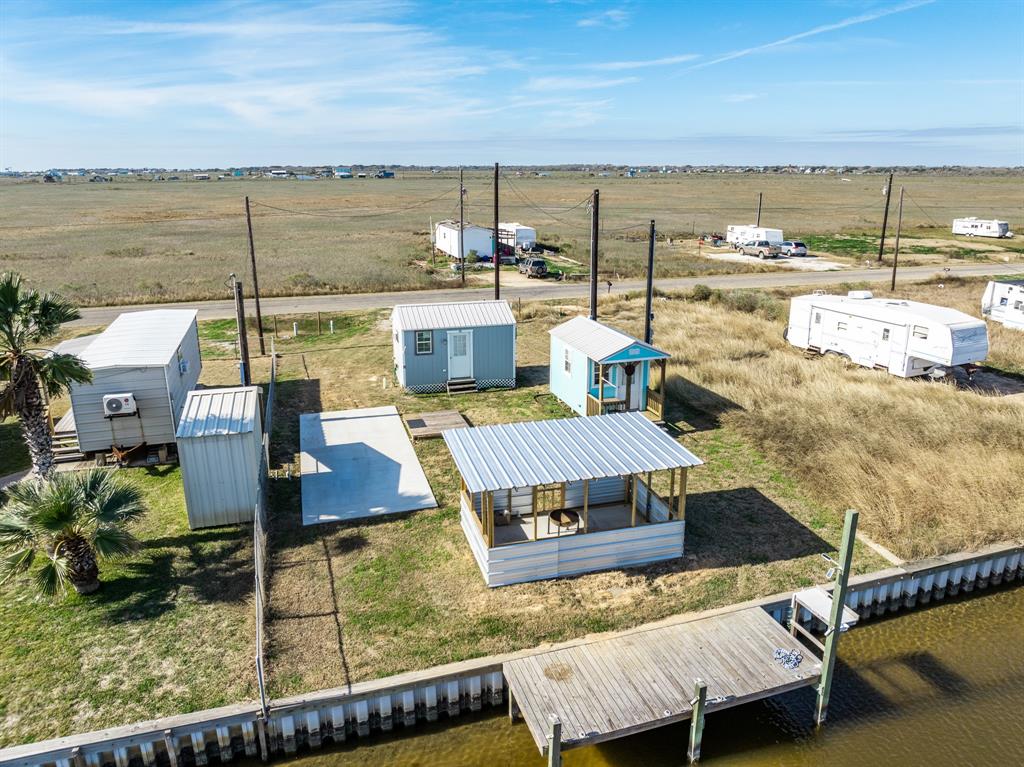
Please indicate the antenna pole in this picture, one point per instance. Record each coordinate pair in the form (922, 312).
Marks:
(595, 216)
(243, 339)
(760, 195)
(462, 249)
(896, 254)
(885, 217)
(648, 315)
(497, 247)
(255, 282)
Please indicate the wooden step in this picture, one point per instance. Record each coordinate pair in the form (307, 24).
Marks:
(461, 385)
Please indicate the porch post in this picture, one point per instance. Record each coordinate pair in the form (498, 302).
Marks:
(647, 505)
(534, 512)
(682, 494)
(562, 500)
(632, 516)
(661, 383)
(586, 503)
(629, 386)
(490, 520)
(600, 387)
(671, 490)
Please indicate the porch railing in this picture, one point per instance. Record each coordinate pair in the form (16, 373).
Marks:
(656, 404)
(594, 406)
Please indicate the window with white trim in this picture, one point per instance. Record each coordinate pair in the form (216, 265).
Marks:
(1017, 305)
(595, 377)
(817, 318)
(920, 331)
(885, 334)
(840, 326)
(567, 363)
(424, 342)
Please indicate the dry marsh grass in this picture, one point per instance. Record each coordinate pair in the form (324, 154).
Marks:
(140, 241)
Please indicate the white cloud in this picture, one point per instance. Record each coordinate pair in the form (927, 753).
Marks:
(576, 83)
(613, 18)
(740, 98)
(615, 66)
(785, 41)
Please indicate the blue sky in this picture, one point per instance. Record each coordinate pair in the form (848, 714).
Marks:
(235, 83)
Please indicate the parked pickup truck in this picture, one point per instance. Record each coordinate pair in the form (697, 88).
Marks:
(533, 267)
(760, 248)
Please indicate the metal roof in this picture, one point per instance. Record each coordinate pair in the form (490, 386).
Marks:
(518, 455)
(597, 341)
(75, 345)
(462, 314)
(140, 339)
(218, 412)
(893, 310)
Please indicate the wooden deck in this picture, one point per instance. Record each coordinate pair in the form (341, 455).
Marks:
(430, 425)
(635, 681)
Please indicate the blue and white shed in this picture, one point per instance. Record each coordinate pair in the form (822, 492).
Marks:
(220, 448)
(596, 369)
(455, 346)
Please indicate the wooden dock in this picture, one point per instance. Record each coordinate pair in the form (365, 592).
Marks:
(430, 425)
(639, 680)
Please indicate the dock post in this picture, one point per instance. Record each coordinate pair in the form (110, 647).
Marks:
(828, 662)
(555, 743)
(700, 696)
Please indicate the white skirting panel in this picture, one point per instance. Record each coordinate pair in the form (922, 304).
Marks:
(572, 554)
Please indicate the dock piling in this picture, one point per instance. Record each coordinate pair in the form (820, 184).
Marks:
(555, 743)
(700, 696)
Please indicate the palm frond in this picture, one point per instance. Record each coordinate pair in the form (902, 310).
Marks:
(57, 372)
(15, 532)
(52, 577)
(15, 563)
(117, 501)
(111, 541)
(50, 313)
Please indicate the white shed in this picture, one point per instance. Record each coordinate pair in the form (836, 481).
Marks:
(474, 238)
(516, 235)
(148, 361)
(1004, 302)
(220, 447)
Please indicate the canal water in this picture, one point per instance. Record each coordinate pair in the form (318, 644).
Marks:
(939, 686)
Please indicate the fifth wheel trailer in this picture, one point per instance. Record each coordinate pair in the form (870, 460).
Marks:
(907, 338)
(1004, 302)
(980, 227)
(737, 234)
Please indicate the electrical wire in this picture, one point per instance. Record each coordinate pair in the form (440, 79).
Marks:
(321, 214)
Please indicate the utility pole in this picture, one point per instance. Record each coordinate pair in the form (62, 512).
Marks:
(595, 216)
(828, 661)
(885, 217)
(255, 282)
(243, 339)
(896, 253)
(462, 250)
(497, 246)
(760, 195)
(648, 316)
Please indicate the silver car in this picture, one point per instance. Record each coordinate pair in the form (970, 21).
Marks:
(793, 248)
(760, 248)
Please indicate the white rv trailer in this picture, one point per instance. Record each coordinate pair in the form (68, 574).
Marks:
(474, 238)
(737, 234)
(980, 227)
(1004, 302)
(906, 338)
(524, 237)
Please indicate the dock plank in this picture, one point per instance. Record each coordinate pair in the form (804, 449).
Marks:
(432, 425)
(616, 686)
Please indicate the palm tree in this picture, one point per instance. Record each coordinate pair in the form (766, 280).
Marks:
(72, 519)
(27, 371)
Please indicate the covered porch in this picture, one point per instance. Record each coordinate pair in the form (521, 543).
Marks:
(626, 386)
(570, 496)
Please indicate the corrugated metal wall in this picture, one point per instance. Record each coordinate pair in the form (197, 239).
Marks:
(153, 425)
(221, 477)
(493, 356)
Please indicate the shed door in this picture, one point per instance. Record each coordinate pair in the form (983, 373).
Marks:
(460, 354)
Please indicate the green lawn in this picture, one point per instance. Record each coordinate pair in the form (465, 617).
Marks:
(169, 631)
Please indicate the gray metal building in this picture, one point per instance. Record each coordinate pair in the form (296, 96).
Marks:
(220, 447)
(457, 346)
(152, 356)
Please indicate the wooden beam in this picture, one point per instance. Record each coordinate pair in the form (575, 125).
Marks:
(632, 500)
(661, 384)
(586, 505)
(700, 696)
(535, 512)
(671, 490)
(600, 386)
(681, 507)
(828, 663)
(555, 743)
(650, 499)
(562, 499)
(489, 498)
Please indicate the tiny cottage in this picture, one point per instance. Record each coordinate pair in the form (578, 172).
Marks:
(571, 495)
(457, 347)
(596, 369)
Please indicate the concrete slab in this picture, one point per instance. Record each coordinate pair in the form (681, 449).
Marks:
(356, 464)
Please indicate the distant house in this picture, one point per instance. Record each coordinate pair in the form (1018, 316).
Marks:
(278, 174)
(238, 173)
(200, 176)
(596, 369)
(343, 173)
(459, 346)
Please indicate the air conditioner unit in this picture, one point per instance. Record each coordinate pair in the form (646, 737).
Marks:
(115, 405)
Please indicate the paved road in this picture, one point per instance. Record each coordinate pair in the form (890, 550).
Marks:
(210, 310)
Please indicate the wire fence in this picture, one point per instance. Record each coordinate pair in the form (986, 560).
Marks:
(259, 536)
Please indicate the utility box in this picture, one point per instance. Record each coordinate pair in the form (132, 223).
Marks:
(220, 448)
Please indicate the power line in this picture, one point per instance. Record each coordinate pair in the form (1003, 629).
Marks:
(321, 214)
(936, 223)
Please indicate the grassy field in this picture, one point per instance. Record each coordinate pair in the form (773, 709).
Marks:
(140, 241)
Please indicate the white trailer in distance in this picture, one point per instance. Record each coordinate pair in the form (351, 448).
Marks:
(980, 227)
(737, 234)
(907, 338)
(1004, 302)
